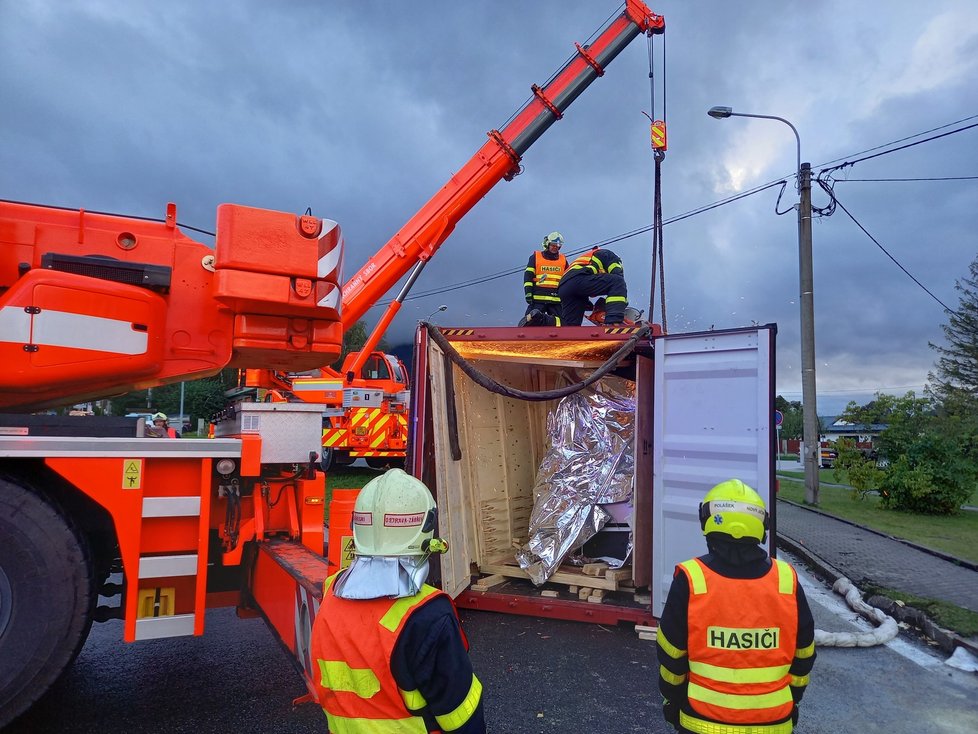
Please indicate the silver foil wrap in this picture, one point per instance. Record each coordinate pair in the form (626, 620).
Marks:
(590, 463)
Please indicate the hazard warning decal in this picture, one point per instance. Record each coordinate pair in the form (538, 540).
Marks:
(132, 473)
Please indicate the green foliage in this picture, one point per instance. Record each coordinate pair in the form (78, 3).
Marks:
(931, 454)
(792, 412)
(852, 467)
(354, 339)
(932, 477)
(201, 399)
(957, 368)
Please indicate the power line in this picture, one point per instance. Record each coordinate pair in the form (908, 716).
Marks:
(902, 147)
(751, 192)
(885, 252)
(908, 137)
(887, 180)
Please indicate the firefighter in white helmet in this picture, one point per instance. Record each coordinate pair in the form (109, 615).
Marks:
(540, 279)
(390, 651)
(736, 640)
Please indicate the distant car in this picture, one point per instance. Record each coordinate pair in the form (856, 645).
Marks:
(827, 457)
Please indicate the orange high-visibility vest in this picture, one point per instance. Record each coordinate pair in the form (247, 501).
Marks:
(548, 272)
(742, 637)
(584, 261)
(352, 643)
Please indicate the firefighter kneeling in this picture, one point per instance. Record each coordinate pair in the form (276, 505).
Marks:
(390, 650)
(736, 641)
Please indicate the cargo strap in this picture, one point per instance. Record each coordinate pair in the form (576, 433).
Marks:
(511, 392)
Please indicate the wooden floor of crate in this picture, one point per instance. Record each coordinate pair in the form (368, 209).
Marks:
(591, 582)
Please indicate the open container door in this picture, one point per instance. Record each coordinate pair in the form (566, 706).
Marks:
(455, 516)
(713, 420)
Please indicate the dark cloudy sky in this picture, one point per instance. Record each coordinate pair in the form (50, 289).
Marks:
(362, 110)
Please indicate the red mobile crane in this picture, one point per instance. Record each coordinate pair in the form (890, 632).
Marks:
(94, 304)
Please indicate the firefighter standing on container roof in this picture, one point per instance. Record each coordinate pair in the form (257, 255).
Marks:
(598, 272)
(389, 649)
(736, 640)
(540, 279)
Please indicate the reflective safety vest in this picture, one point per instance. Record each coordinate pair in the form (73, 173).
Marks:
(352, 644)
(590, 261)
(548, 272)
(742, 637)
(584, 261)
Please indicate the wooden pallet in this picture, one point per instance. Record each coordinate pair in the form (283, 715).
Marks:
(588, 583)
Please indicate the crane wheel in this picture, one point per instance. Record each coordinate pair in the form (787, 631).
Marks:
(47, 593)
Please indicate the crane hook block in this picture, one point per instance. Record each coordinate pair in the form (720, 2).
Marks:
(658, 132)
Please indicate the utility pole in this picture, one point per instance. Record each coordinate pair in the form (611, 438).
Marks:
(811, 431)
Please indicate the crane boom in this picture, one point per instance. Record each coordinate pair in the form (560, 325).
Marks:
(496, 160)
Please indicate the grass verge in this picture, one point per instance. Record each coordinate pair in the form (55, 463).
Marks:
(952, 534)
(347, 477)
(948, 616)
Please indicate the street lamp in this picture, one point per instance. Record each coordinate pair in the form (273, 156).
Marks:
(442, 307)
(810, 427)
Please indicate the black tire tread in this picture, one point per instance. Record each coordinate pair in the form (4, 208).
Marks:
(48, 566)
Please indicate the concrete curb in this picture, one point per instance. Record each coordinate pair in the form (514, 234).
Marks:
(945, 639)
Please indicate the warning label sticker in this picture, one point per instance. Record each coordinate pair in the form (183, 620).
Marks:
(347, 554)
(132, 474)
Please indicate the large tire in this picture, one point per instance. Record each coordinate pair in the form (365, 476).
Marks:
(46, 596)
(328, 460)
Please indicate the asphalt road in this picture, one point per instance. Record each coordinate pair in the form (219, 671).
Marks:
(539, 675)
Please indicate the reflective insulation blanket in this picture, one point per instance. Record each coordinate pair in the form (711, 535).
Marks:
(590, 463)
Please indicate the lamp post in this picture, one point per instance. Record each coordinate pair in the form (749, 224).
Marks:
(443, 307)
(810, 426)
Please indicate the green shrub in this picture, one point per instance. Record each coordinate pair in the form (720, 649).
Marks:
(852, 467)
(932, 477)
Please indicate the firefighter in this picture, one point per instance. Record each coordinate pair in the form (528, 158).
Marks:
(595, 273)
(390, 651)
(736, 640)
(540, 279)
(161, 427)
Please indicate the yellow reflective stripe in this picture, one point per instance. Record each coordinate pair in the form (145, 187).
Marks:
(698, 726)
(739, 675)
(616, 299)
(392, 620)
(667, 647)
(671, 678)
(329, 582)
(786, 577)
(805, 652)
(338, 676)
(413, 699)
(739, 701)
(696, 576)
(614, 266)
(331, 437)
(558, 320)
(531, 269)
(799, 681)
(552, 299)
(463, 712)
(344, 725)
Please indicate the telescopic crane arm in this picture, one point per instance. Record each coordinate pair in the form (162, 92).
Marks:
(499, 158)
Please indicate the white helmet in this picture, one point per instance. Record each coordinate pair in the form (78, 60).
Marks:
(394, 515)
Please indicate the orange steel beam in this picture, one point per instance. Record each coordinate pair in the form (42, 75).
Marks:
(497, 159)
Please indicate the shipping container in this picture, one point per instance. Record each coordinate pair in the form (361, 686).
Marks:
(704, 412)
